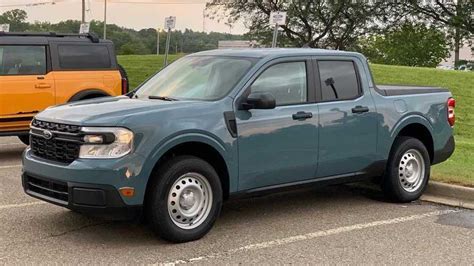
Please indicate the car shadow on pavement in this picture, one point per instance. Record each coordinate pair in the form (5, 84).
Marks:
(242, 215)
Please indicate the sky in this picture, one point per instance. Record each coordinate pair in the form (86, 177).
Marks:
(136, 14)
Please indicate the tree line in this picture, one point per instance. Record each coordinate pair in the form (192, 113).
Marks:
(126, 41)
(384, 30)
(402, 32)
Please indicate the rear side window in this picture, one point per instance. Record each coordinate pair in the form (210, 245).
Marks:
(22, 60)
(82, 57)
(338, 80)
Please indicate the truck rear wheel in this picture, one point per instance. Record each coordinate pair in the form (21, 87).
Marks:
(185, 199)
(408, 170)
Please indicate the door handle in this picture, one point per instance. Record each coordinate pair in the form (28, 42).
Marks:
(42, 86)
(360, 109)
(302, 115)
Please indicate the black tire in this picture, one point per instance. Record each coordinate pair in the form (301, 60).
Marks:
(163, 181)
(393, 184)
(124, 75)
(25, 139)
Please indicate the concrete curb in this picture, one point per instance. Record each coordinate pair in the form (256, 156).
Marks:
(452, 195)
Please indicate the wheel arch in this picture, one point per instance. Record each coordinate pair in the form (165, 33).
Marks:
(88, 94)
(419, 128)
(202, 147)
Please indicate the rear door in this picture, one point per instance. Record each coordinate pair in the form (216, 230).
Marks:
(347, 117)
(26, 87)
(279, 145)
(81, 66)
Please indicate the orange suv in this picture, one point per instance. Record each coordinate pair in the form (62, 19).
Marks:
(38, 70)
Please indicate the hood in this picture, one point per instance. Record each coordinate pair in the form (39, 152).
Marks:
(108, 111)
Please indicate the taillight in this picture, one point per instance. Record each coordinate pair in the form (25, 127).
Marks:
(124, 86)
(451, 114)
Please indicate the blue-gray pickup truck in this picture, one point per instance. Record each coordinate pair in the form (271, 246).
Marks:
(226, 123)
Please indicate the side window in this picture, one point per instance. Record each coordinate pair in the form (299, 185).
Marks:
(81, 57)
(338, 80)
(22, 60)
(285, 81)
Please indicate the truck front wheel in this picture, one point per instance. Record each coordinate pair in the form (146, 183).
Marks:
(408, 170)
(185, 199)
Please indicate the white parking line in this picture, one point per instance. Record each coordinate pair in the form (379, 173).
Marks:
(304, 237)
(19, 205)
(9, 166)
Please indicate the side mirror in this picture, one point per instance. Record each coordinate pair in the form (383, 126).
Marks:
(259, 101)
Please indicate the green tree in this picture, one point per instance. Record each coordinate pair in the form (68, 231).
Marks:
(412, 44)
(313, 23)
(16, 18)
(126, 41)
(456, 16)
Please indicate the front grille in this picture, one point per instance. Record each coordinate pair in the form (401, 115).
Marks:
(55, 126)
(49, 188)
(62, 146)
(56, 150)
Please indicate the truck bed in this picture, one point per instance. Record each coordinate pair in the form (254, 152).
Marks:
(392, 90)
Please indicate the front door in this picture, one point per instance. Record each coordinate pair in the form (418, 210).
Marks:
(347, 117)
(26, 87)
(279, 146)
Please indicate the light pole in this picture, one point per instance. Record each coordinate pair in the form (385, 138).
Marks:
(105, 19)
(158, 41)
(83, 20)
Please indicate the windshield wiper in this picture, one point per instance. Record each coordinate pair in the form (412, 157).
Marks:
(163, 98)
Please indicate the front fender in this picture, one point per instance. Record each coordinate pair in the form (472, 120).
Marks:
(183, 137)
(188, 136)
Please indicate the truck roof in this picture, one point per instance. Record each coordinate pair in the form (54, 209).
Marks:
(44, 38)
(276, 52)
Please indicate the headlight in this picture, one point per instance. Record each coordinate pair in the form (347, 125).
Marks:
(106, 142)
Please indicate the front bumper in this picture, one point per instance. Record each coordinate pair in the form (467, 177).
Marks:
(92, 199)
(87, 186)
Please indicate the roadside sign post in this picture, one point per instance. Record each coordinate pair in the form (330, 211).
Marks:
(84, 28)
(277, 18)
(170, 23)
(5, 27)
(275, 36)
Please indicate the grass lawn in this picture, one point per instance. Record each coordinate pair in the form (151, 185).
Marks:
(458, 169)
(140, 67)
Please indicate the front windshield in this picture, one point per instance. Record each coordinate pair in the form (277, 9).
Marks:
(197, 78)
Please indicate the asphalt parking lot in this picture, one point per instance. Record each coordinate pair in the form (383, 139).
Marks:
(339, 224)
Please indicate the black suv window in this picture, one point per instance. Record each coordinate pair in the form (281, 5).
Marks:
(81, 57)
(338, 80)
(285, 81)
(22, 60)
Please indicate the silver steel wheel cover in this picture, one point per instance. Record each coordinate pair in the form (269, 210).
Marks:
(190, 200)
(411, 170)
